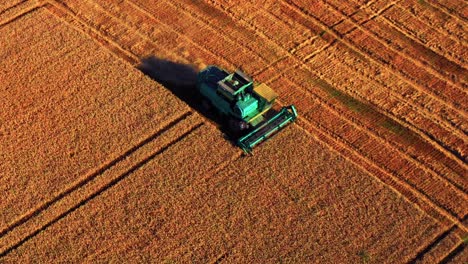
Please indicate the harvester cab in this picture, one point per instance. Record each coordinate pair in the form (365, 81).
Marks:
(245, 106)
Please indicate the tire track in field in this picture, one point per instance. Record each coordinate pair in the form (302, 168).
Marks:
(418, 199)
(93, 184)
(431, 26)
(64, 13)
(448, 11)
(438, 145)
(395, 116)
(24, 7)
(383, 42)
(456, 106)
(453, 153)
(453, 58)
(433, 17)
(420, 164)
(88, 178)
(440, 247)
(338, 115)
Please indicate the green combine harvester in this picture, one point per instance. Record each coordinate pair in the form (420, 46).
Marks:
(246, 107)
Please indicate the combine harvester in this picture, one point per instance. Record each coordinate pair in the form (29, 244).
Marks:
(246, 107)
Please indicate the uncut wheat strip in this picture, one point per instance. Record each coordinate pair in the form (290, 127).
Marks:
(102, 179)
(436, 19)
(405, 55)
(420, 200)
(440, 44)
(73, 19)
(338, 115)
(7, 5)
(350, 44)
(435, 39)
(455, 142)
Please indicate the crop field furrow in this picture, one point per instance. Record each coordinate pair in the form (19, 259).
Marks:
(460, 183)
(391, 103)
(93, 189)
(367, 143)
(18, 12)
(406, 189)
(401, 57)
(405, 12)
(361, 43)
(444, 45)
(439, 248)
(398, 74)
(403, 43)
(456, 9)
(436, 18)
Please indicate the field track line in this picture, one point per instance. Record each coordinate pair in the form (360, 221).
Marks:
(416, 39)
(453, 129)
(445, 10)
(438, 29)
(97, 187)
(90, 176)
(454, 253)
(427, 138)
(371, 133)
(419, 200)
(12, 7)
(423, 90)
(390, 47)
(65, 14)
(28, 9)
(448, 234)
(350, 45)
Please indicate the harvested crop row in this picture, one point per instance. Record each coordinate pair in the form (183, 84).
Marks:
(77, 111)
(456, 8)
(242, 212)
(394, 104)
(436, 18)
(364, 41)
(407, 47)
(373, 147)
(440, 248)
(429, 36)
(316, 44)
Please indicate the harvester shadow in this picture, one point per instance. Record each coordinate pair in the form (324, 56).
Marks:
(181, 80)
